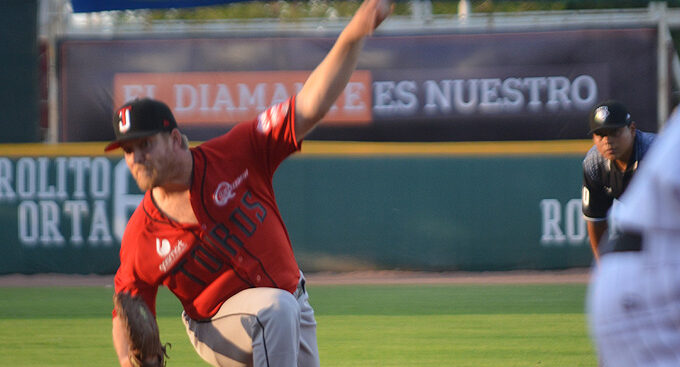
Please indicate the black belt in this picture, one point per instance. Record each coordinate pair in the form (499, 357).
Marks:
(300, 289)
(624, 242)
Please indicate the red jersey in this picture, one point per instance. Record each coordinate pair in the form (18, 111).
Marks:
(240, 241)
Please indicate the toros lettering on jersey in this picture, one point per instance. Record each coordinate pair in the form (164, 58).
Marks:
(225, 240)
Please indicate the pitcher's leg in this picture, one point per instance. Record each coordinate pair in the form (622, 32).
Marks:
(224, 342)
(276, 331)
(258, 327)
(309, 352)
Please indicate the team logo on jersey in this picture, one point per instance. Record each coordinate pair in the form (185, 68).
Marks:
(162, 247)
(225, 190)
(170, 256)
(601, 113)
(272, 117)
(124, 120)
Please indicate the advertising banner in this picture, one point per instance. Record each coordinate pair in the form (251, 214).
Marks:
(231, 97)
(438, 87)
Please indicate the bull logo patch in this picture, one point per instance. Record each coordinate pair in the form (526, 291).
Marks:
(601, 114)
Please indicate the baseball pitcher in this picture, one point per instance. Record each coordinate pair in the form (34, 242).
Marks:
(209, 229)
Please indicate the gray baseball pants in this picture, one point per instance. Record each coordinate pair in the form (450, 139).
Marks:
(260, 327)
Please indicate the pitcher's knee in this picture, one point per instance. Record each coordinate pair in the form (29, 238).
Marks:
(282, 305)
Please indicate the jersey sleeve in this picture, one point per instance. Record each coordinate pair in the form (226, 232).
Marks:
(274, 134)
(127, 278)
(595, 202)
(265, 141)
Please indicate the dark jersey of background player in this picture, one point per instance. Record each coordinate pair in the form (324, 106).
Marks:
(610, 164)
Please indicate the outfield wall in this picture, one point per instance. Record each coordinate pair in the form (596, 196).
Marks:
(422, 206)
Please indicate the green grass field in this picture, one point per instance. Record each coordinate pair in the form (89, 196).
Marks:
(376, 325)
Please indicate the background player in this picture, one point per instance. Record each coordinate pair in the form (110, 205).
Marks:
(609, 164)
(634, 297)
(209, 229)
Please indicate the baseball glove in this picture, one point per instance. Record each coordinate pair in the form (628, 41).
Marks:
(146, 349)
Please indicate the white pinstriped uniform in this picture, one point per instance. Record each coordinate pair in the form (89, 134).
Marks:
(634, 297)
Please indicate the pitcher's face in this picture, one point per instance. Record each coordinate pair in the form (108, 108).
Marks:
(149, 159)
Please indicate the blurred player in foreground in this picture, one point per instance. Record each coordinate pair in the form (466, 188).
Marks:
(209, 228)
(609, 164)
(634, 296)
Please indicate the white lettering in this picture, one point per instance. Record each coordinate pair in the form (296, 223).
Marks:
(49, 224)
(353, 101)
(6, 178)
(79, 165)
(535, 85)
(558, 94)
(513, 100)
(223, 100)
(172, 256)
(28, 223)
(406, 96)
(76, 210)
(470, 106)
(45, 191)
(490, 103)
(552, 216)
(574, 232)
(49, 179)
(248, 100)
(100, 178)
(204, 94)
(587, 84)
(280, 94)
(186, 98)
(486, 96)
(437, 97)
(61, 178)
(218, 97)
(382, 96)
(225, 190)
(26, 178)
(99, 231)
(132, 91)
(575, 226)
